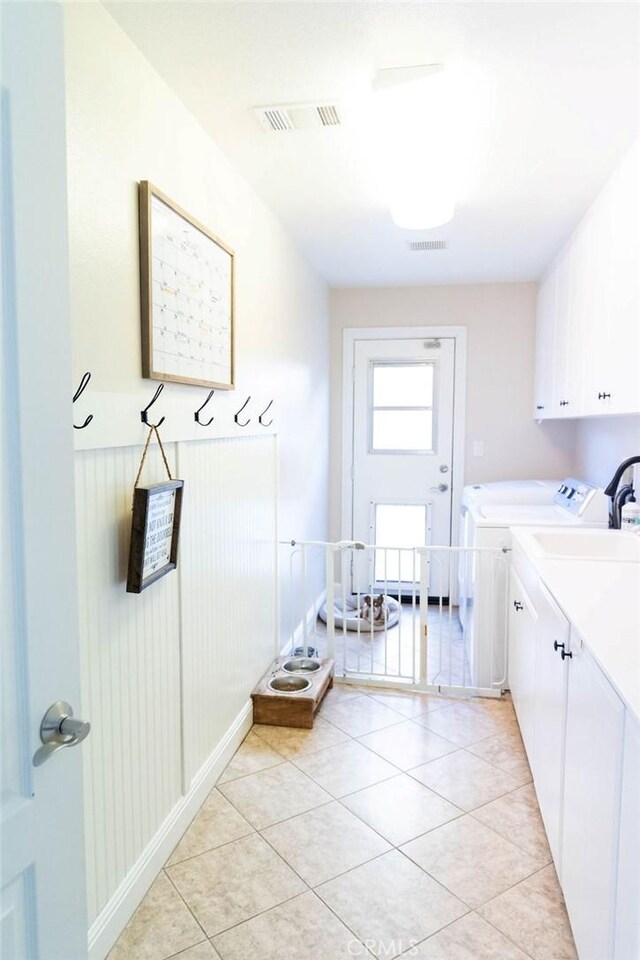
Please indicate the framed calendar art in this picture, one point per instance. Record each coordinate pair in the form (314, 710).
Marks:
(186, 287)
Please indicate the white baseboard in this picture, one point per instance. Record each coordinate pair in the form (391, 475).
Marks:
(298, 635)
(111, 921)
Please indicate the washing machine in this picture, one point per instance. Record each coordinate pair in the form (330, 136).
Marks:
(484, 583)
(479, 495)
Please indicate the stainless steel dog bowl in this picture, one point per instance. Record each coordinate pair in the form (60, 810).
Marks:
(289, 684)
(301, 665)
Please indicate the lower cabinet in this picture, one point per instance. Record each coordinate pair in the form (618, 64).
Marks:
(627, 929)
(551, 668)
(522, 634)
(584, 749)
(591, 807)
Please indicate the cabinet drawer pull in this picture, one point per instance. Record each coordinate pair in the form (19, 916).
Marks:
(563, 653)
(540, 406)
(517, 605)
(564, 403)
(604, 396)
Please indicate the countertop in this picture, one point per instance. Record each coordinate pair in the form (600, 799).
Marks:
(601, 598)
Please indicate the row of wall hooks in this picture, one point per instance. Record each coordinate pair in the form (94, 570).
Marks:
(144, 414)
(207, 423)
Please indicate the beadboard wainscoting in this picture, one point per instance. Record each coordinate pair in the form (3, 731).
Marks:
(130, 660)
(228, 581)
(166, 674)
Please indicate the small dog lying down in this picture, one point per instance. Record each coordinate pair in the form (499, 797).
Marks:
(374, 609)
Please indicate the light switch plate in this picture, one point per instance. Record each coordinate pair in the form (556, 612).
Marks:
(478, 448)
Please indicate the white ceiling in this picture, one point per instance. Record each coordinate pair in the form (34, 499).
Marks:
(553, 103)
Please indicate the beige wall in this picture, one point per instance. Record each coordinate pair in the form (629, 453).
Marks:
(215, 616)
(604, 442)
(500, 321)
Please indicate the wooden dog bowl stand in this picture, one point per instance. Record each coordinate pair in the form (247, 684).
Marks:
(291, 709)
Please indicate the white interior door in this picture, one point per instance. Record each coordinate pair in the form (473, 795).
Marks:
(43, 882)
(402, 457)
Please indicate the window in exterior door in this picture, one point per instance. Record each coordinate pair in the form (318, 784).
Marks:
(399, 525)
(401, 412)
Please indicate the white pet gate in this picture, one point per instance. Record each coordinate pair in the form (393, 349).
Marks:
(436, 645)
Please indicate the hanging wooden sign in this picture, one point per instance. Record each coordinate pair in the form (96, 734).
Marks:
(155, 530)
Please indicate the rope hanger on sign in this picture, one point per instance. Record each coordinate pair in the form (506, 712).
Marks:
(152, 429)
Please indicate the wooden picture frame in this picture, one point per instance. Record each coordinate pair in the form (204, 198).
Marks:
(186, 296)
(155, 531)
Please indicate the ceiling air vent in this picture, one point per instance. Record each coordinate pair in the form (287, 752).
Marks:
(298, 116)
(329, 116)
(424, 245)
(274, 118)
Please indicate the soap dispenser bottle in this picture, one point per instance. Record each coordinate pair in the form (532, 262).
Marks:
(630, 517)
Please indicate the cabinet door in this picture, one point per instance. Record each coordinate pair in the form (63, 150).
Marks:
(552, 637)
(597, 240)
(563, 402)
(545, 353)
(612, 335)
(627, 936)
(588, 315)
(522, 658)
(622, 379)
(590, 817)
(583, 250)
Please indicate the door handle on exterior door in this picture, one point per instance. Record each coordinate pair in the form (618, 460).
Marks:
(59, 729)
(441, 488)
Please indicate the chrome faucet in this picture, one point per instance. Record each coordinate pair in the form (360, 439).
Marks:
(612, 492)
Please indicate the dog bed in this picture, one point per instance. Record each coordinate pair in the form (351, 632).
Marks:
(349, 616)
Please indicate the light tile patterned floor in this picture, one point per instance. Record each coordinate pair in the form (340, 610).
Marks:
(402, 825)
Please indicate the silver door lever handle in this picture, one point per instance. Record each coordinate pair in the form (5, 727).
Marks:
(59, 728)
(441, 488)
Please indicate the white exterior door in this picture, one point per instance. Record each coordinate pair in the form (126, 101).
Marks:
(43, 881)
(403, 409)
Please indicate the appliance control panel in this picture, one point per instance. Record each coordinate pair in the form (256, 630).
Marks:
(582, 499)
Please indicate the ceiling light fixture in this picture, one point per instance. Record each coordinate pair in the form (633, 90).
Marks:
(417, 116)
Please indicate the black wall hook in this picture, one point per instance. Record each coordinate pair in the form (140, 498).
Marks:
(240, 411)
(196, 415)
(260, 420)
(143, 413)
(83, 386)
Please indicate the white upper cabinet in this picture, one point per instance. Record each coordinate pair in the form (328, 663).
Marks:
(566, 387)
(595, 234)
(585, 304)
(545, 332)
(588, 316)
(623, 354)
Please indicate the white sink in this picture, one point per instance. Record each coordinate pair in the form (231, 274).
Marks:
(589, 544)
